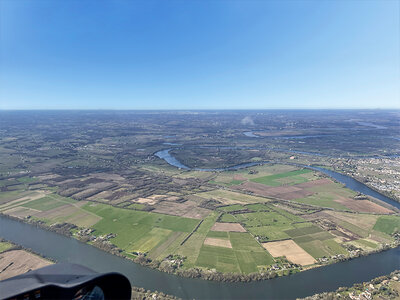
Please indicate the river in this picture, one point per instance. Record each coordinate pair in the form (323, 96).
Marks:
(357, 186)
(307, 283)
(349, 182)
(302, 284)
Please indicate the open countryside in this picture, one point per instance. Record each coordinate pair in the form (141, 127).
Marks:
(273, 219)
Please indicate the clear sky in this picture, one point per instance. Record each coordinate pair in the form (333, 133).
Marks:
(66, 54)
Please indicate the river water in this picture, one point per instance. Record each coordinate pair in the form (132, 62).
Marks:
(307, 283)
(303, 284)
(349, 182)
(357, 186)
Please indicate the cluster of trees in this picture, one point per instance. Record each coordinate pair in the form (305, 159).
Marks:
(143, 294)
(107, 246)
(168, 267)
(63, 228)
(383, 291)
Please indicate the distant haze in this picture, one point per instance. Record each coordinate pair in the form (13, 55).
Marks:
(247, 121)
(199, 54)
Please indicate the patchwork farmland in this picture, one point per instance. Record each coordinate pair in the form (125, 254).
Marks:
(272, 219)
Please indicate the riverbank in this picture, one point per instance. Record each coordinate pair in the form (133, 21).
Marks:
(193, 273)
(328, 278)
(196, 273)
(174, 264)
(16, 260)
(349, 182)
(385, 287)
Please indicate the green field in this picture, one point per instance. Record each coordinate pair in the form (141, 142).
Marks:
(271, 223)
(231, 208)
(221, 259)
(168, 247)
(265, 220)
(303, 231)
(27, 179)
(5, 246)
(388, 224)
(315, 248)
(43, 204)
(137, 230)
(263, 170)
(12, 195)
(291, 177)
(191, 248)
(228, 218)
(218, 234)
(244, 257)
(261, 219)
(271, 233)
(137, 206)
(258, 207)
(363, 243)
(323, 199)
(315, 241)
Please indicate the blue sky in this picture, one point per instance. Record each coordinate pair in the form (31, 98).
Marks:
(199, 54)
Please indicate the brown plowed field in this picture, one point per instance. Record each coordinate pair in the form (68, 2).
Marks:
(363, 221)
(146, 201)
(60, 211)
(296, 195)
(284, 192)
(20, 212)
(16, 262)
(231, 227)
(314, 183)
(363, 206)
(186, 209)
(239, 177)
(291, 250)
(218, 242)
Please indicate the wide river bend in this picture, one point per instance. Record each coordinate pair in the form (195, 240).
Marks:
(307, 283)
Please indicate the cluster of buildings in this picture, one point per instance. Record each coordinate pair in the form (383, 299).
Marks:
(373, 288)
(382, 174)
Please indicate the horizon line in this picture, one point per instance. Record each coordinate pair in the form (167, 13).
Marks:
(189, 109)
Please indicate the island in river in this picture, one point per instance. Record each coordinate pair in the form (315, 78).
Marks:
(94, 176)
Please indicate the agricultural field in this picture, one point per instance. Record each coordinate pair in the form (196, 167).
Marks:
(229, 230)
(97, 178)
(5, 246)
(244, 256)
(388, 224)
(286, 178)
(303, 186)
(291, 251)
(16, 262)
(269, 225)
(226, 197)
(137, 231)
